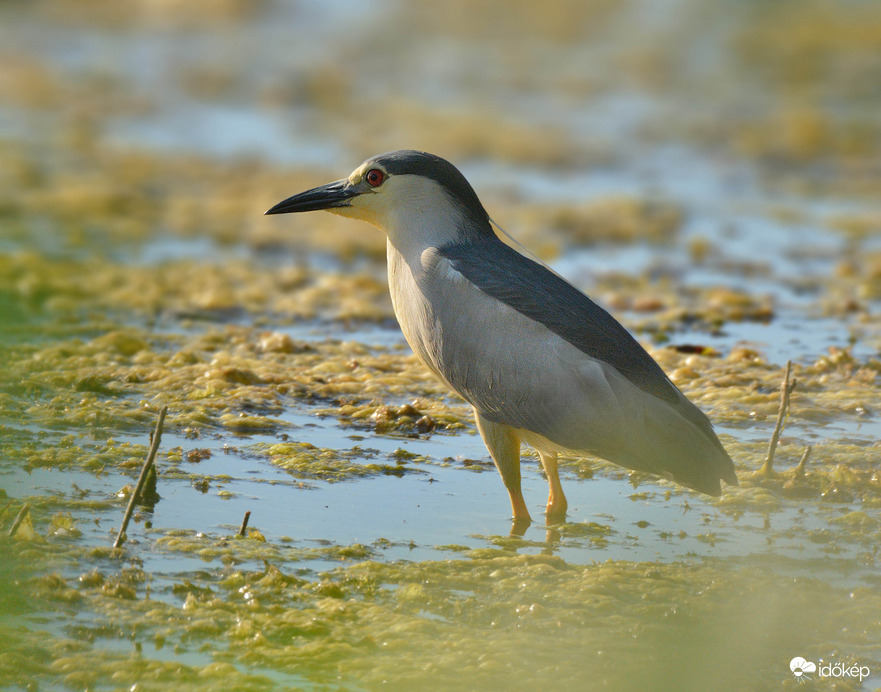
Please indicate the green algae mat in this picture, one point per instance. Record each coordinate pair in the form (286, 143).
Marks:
(710, 176)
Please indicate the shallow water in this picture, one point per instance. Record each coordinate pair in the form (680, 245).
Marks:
(674, 160)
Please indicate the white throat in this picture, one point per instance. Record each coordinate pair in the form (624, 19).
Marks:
(420, 215)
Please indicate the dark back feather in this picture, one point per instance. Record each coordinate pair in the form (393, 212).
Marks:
(532, 290)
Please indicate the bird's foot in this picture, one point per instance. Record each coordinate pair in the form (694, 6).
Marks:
(521, 519)
(519, 525)
(556, 511)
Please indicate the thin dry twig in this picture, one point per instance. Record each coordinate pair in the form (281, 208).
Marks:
(22, 513)
(148, 464)
(786, 388)
(800, 469)
(244, 528)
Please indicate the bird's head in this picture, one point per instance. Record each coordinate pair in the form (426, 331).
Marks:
(403, 193)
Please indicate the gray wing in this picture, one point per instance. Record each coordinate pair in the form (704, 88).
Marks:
(529, 288)
(528, 350)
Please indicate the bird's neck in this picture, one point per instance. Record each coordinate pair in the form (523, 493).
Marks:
(407, 243)
(404, 264)
(428, 219)
(410, 286)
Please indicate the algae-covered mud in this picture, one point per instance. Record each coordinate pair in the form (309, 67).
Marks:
(707, 171)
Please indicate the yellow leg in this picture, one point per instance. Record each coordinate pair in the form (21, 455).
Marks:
(557, 505)
(504, 447)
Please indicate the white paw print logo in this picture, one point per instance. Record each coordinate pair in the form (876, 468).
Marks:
(800, 667)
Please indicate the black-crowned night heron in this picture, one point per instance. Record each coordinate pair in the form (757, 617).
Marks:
(538, 361)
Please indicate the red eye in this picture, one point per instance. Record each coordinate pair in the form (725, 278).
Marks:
(375, 177)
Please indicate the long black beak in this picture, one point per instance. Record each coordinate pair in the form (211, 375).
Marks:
(336, 194)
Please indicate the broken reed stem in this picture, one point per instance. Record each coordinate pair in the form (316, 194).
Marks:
(148, 464)
(244, 524)
(22, 513)
(800, 469)
(786, 388)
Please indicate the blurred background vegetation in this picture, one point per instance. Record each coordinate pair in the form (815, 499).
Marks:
(154, 133)
(122, 123)
(709, 170)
